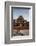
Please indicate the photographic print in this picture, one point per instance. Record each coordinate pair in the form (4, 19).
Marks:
(19, 22)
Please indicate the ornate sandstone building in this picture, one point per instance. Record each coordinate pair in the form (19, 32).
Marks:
(20, 24)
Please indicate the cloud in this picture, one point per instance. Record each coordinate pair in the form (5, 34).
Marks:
(23, 12)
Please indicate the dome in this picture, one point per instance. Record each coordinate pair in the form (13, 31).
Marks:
(20, 19)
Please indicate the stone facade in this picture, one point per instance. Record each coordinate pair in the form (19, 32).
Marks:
(20, 26)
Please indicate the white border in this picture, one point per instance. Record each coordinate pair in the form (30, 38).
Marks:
(30, 30)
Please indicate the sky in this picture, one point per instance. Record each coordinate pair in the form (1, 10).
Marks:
(21, 11)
